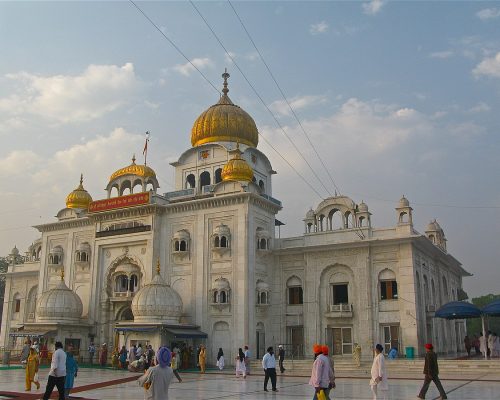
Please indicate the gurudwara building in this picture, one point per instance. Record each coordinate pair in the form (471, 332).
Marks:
(202, 264)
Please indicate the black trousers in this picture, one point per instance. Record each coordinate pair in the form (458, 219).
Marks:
(427, 382)
(270, 373)
(59, 383)
(282, 368)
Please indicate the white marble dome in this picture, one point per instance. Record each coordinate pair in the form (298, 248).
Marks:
(59, 304)
(157, 302)
(403, 202)
(363, 207)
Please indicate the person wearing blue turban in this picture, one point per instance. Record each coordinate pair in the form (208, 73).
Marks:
(156, 380)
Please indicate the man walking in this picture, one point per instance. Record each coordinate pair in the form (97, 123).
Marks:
(322, 378)
(57, 373)
(378, 381)
(247, 360)
(431, 372)
(281, 357)
(91, 352)
(269, 365)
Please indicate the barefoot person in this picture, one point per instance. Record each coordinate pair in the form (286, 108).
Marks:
(431, 372)
(378, 382)
(57, 373)
(32, 364)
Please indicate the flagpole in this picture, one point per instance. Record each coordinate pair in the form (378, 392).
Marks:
(145, 151)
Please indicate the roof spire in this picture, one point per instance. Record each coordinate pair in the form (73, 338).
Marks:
(225, 75)
(133, 159)
(81, 179)
(158, 266)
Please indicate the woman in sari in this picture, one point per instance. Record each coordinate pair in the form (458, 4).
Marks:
(71, 372)
(123, 357)
(220, 359)
(156, 380)
(32, 364)
(202, 359)
(240, 364)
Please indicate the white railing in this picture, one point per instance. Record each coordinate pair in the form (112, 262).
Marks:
(340, 307)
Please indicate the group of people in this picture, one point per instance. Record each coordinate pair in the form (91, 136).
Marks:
(62, 373)
(103, 354)
(487, 345)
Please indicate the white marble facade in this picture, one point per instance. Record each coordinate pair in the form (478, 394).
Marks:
(341, 282)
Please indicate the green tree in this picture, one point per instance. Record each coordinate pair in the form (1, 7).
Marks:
(493, 323)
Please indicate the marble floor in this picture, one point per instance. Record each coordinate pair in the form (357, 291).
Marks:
(119, 385)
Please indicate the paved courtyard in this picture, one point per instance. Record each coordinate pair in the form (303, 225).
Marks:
(110, 385)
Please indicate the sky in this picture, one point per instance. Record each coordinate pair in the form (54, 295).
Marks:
(398, 98)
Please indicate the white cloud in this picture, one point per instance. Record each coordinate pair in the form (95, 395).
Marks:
(489, 66)
(299, 102)
(373, 7)
(320, 27)
(251, 56)
(99, 90)
(200, 63)
(488, 13)
(480, 107)
(441, 54)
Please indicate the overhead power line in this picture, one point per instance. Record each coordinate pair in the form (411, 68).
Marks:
(260, 98)
(285, 98)
(174, 45)
(211, 84)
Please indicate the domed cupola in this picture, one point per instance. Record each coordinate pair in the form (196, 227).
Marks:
(59, 304)
(134, 177)
(79, 198)
(157, 302)
(237, 169)
(224, 122)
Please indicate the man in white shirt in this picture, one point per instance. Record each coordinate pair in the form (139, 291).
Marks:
(378, 381)
(269, 365)
(57, 373)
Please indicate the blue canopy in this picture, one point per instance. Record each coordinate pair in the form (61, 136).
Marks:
(458, 310)
(492, 308)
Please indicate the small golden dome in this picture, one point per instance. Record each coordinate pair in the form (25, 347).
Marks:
(134, 169)
(225, 122)
(79, 198)
(237, 169)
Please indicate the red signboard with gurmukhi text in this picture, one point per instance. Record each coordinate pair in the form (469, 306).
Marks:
(130, 200)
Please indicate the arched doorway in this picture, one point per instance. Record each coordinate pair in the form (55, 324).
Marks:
(260, 343)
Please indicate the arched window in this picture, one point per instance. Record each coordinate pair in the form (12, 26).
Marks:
(445, 289)
(190, 181)
(137, 186)
(388, 285)
(261, 185)
(432, 238)
(295, 293)
(121, 284)
(403, 217)
(205, 179)
(132, 285)
(223, 241)
(361, 221)
(16, 309)
(177, 245)
(183, 246)
(335, 220)
(348, 220)
(217, 242)
(216, 297)
(433, 292)
(262, 244)
(55, 259)
(114, 191)
(263, 298)
(218, 175)
(222, 297)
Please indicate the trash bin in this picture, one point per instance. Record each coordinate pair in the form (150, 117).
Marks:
(410, 352)
(6, 358)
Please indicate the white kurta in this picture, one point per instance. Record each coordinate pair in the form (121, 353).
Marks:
(482, 344)
(220, 363)
(160, 379)
(240, 367)
(378, 369)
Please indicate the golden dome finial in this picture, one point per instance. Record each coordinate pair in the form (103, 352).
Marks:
(237, 169)
(158, 266)
(225, 75)
(133, 159)
(79, 198)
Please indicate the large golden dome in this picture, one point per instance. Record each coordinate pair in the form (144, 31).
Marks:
(134, 169)
(237, 169)
(225, 122)
(79, 198)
